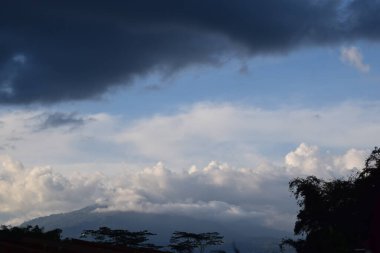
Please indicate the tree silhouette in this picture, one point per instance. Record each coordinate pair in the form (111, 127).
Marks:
(186, 242)
(120, 237)
(340, 215)
(16, 233)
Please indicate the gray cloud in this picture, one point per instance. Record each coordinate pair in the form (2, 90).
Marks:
(14, 138)
(59, 119)
(71, 50)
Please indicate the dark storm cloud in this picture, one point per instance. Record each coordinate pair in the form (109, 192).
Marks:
(59, 119)
(54, 51)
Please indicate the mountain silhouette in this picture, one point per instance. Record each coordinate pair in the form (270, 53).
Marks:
(248, 236)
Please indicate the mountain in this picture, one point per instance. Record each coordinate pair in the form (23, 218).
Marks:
(247, 236)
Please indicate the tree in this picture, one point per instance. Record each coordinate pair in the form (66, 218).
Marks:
(120, 237)
(338, 215)
(187, 242)
(16, 233)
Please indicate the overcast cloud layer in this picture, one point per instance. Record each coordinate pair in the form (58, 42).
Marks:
(56, 51)
(240, 135)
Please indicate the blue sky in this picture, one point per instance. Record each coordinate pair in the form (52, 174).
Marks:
(312, 77)
(181, 101)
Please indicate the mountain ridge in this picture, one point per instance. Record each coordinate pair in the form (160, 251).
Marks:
(248, 237)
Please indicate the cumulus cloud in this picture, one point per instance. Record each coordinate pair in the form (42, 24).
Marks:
(216, 191)
(353, 57)
(303, 157)
(308, 160)
(31, 192)
(57, 51)
(352, 159)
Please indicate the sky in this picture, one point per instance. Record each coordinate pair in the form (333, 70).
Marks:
(206, 108)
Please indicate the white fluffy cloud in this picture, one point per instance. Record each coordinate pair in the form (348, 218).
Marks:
(31, 192)
(216, 191)
(352, 56)
(308, 160)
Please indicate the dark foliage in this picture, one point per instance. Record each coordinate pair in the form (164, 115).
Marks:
(17, 233)
(339, 215)
(187, 242)
(120, 237)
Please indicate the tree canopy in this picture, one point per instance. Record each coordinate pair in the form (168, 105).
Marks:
(120, 237)
(16, 233)
(186, 242)
(340, 215)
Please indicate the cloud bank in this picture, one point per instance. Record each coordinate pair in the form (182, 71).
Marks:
(197, 134)
(216, 191)
(59, 51)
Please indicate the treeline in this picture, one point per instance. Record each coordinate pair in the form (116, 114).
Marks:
(16, 233)
(181, 242)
